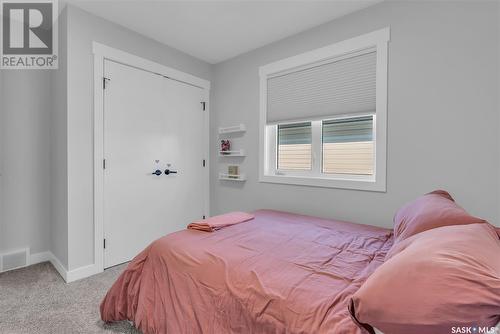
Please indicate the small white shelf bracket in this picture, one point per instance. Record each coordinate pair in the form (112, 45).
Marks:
(232, 153)
(228, 177)
(232, 129)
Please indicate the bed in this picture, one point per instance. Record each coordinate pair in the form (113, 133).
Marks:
(278, 273)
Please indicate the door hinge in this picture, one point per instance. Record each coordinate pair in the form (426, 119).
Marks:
(104, 81)
(204, 162)
(103, 163)
(104, 243)
(203, 105)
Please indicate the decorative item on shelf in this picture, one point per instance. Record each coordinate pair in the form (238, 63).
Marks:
(233, 171)
(225, 146)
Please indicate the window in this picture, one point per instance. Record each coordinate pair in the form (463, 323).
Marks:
(294, 146)
(323, 116)
(348, 146)
(345, 145)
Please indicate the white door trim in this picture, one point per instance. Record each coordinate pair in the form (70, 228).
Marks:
(102, 52)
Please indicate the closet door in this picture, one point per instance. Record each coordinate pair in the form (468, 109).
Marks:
(154, 145)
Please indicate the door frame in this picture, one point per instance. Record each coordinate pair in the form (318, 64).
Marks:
(101, 53)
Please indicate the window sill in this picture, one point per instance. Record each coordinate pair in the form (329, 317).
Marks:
(344, 183)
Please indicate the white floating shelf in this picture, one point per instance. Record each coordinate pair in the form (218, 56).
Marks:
(232, 129)
(227, 177)
(235, 153)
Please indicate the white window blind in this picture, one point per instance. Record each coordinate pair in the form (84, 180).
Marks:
(342, 86)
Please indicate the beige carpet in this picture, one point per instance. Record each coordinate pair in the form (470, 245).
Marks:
(36, 300)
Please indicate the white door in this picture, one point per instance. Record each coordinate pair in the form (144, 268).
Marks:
(150, 123)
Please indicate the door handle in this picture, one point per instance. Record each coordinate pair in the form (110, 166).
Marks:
(157, 172)
(168, 171)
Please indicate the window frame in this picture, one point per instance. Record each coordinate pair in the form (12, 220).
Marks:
(268, 137)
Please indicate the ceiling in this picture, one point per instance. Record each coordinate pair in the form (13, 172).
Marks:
(215, 31)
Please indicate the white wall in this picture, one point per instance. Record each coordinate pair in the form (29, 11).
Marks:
(443, 113)
(83, 28)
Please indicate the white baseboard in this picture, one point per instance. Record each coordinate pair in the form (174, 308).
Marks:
(39, 258)
(59, 267)
(67, 275)
(48, 256)
(82, 272)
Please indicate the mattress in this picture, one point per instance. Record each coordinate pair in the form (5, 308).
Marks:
(278, 273)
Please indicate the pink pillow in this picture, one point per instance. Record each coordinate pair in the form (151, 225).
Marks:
(432, 210)
(438, 279)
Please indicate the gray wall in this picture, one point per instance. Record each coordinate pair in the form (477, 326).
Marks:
(83, 28)
(443, 113)
(59, 150)
(25, 186)
(1, 159)
(27, 168)
(33, 159)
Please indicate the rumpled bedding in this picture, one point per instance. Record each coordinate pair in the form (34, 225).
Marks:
(278, 273)
(218, 222)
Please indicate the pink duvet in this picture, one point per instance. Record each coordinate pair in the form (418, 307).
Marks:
(279, 273)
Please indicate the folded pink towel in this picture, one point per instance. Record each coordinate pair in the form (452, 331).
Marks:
(217, 222)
